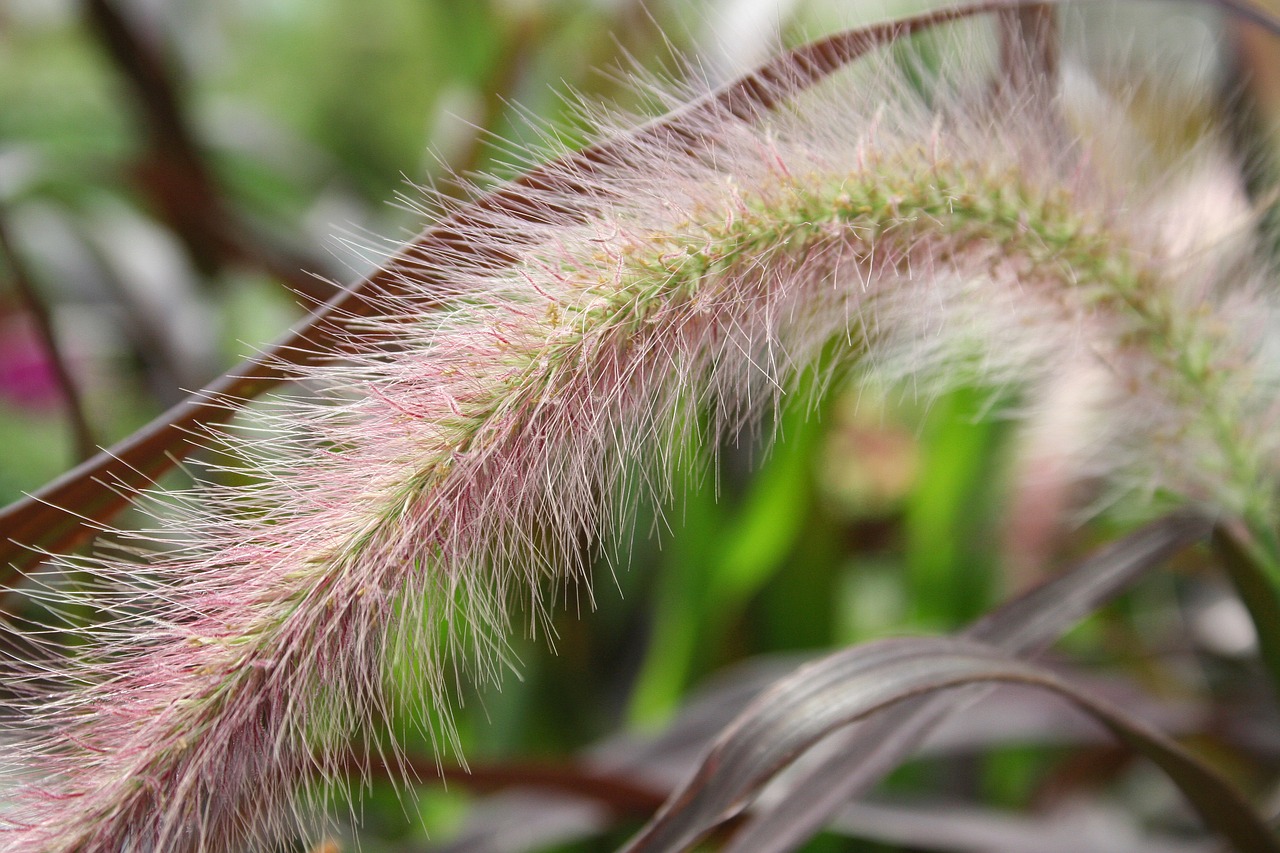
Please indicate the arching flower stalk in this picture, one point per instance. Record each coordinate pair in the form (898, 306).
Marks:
(453, 466)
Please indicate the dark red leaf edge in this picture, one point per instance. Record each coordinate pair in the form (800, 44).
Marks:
(77, 505)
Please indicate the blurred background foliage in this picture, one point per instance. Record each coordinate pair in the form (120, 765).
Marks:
(179, 179)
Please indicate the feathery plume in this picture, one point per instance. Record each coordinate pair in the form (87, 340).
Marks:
(453, 467)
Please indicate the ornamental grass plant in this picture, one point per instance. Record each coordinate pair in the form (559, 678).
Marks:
(479, 427)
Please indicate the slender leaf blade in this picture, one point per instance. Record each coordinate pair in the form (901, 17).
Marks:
(851, 684)
(865, 753)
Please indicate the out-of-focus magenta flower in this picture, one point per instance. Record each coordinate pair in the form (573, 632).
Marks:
(27, 377)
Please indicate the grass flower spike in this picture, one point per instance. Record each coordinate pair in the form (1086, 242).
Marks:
(454, 466)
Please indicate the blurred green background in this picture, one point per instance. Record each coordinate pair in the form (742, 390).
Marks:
(169, 169)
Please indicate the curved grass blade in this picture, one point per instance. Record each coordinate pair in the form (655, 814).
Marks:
(849, 685)
(862, 755)
(72, 508)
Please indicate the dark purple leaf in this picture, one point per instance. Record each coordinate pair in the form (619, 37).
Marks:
(862, 755)
(849, 685)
